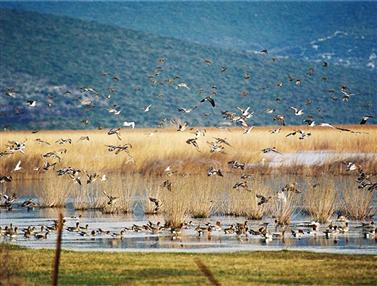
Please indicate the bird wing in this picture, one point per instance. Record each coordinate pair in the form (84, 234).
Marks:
(18, 165)
(212, 101)
(106, 194)
(326, 125)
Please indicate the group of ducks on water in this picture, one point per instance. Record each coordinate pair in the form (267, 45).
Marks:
(242, 231)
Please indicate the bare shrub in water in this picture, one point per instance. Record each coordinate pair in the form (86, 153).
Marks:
(357, 203)
(320, 201)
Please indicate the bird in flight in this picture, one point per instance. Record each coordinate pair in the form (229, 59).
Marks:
(147, 108)
(18, 166)
(187, 110)
(129, 124)
(297, 111)
(31, 103)
(209, 99)
(365, 119)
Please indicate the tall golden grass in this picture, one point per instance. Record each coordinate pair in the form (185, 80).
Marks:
(358, 203)
(320, 200)
(203, 198)
(154, 151)
(194, 193)
(245, 202)
(283, 210)
(53, 191)
(94, 195)
(175, 207)
(88, 197)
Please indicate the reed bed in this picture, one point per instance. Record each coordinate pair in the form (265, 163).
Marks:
(203, 196)
(283, 209)
(126, 188)
(152, 151)
(320, 200)
(53, 191)
(152, 189)
(358, 203)
(245, 202)
(138, 175)
(88, 197)
(175, 208)
(95, 195)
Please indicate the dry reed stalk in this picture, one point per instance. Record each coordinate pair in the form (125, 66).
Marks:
(151, 190)
(125, 189)
(256, 211)
(244, 202)
(357, 203)
(53, 191)
(235, 202)
(88, 197)
(202, 197)
(283, 209)
(175, 206)
(319, 201)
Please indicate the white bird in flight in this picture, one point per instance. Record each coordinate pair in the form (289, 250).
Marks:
(182, 85)
(32, 103)
(18, 166)
(147, 108)
(129, 124)
(297, 111)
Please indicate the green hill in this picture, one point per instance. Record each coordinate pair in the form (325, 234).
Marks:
(43, 56)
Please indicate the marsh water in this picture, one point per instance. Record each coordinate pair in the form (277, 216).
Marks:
(189, 241)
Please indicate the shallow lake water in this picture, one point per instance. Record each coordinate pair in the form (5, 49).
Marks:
(352, 242)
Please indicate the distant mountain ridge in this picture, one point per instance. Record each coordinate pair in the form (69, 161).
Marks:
(49, 58)
(341, 32)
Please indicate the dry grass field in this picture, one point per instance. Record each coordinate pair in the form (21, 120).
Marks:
(155, 149)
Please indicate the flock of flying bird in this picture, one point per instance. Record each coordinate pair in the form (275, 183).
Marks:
(89, 95)
(240, 117)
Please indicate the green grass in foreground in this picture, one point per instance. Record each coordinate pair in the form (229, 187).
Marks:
(251, 268)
